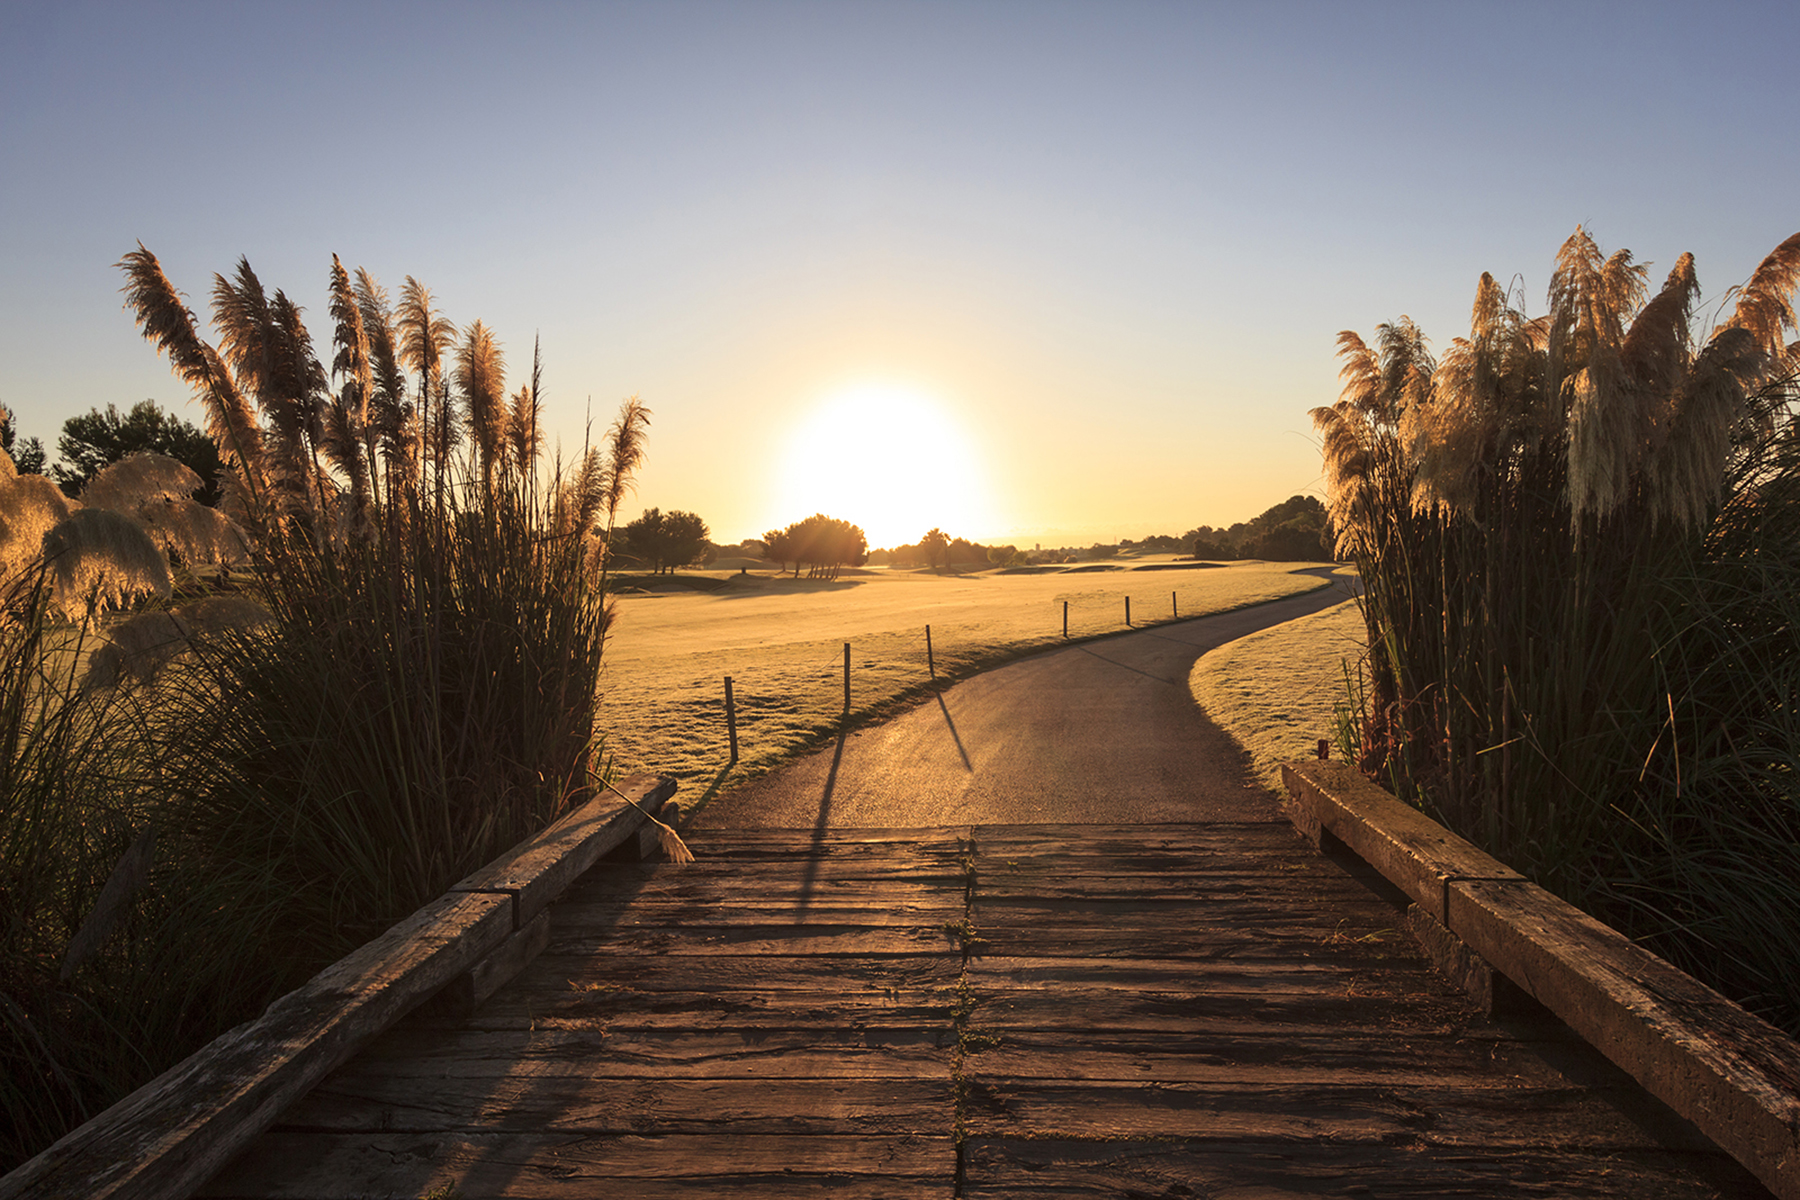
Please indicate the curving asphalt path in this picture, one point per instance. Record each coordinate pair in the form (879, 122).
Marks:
(1097, 732)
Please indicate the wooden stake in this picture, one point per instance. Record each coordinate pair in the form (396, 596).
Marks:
(731, 718)
(846, 677)
(930, 662)
(1128, 610)
(1065, 618)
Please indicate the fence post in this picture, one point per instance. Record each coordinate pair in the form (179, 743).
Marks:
(930, 662)
(731, 718)
(1065, 618)
(846, 677)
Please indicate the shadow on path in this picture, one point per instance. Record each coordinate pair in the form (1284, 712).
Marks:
(1092, 653)
(821, 825)
(955, 736)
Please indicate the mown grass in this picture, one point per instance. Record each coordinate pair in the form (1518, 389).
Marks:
(1280, 690)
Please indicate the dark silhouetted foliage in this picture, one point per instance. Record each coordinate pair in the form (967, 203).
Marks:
(96, 439)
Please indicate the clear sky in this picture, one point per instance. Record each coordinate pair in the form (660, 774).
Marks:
(1095, 255)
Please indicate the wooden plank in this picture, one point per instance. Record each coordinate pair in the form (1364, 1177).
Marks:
(1352, 1061)
(752, 973)
(555, 1165)
(814, 940)
(1218, 976)
(1438, 1113)
(388, 1100)
(1415, 1002)
(815, 1052)
(998, 1169)
(463, 994)
(171, 1134)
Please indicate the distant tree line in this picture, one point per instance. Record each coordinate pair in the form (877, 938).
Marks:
(939, 551)
(824, 545)
(1296, 530)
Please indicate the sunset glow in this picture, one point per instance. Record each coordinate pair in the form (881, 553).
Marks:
(889, 458)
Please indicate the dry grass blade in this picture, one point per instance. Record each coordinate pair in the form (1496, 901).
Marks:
(625, 442)
(1764, 307)
(669, 841)
(481, 378)
(132, 873)
(195, 532)
(136, 649)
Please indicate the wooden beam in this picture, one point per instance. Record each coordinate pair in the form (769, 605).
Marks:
(1731, 1073)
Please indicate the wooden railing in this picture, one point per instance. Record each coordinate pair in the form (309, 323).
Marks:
(168, 1137)
(1731, 1073)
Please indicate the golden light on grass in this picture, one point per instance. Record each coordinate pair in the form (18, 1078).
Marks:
(888, 457)
(1276, 692)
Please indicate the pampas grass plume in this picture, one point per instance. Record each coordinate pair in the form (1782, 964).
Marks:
(101, 555)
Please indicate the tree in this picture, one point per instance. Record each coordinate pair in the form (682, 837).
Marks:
(91, 442)
(1005, 556)
(825, 544)
(666, 540)
(936, 547)
(27, 455)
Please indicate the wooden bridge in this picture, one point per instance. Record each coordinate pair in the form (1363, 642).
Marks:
(1177, 1010)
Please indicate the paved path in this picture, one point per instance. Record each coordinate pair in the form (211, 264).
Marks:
(1097, 731)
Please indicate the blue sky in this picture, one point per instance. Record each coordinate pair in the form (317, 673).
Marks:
(1111, 243)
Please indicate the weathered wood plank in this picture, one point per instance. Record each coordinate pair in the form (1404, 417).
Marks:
(659, 1053)
(1111, 1056)
(748, 973)
(1220, 976)
(811, 940)
(1388, 1008)
(998, 1169)
(1735, 1075)
(554, 1165)
(403, 1100)
(1446, 1113)
(1415, 853)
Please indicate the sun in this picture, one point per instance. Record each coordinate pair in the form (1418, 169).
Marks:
(889, 458)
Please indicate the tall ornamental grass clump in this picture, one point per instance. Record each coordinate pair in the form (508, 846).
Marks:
(203, 808)
(421, 699)
(1579, 543)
